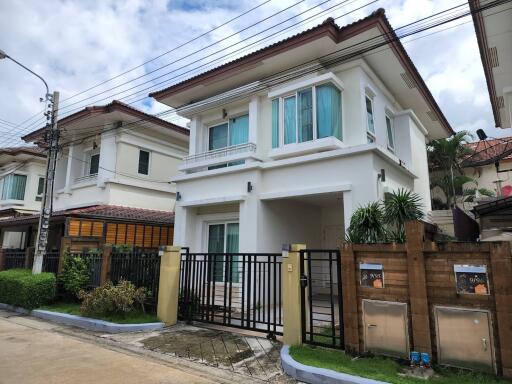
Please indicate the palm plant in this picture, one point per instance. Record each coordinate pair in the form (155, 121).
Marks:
(445, 157)
(400, 206)
(367, 225)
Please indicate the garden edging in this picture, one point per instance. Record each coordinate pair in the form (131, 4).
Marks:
(314, 375)
(84, 322)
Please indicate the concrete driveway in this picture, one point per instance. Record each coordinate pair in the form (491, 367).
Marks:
(33, 352)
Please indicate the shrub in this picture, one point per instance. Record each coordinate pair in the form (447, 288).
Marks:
(75, 274)
(19, 287)
(112, 299)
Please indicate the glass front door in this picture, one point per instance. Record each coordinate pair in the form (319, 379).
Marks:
(223, 238)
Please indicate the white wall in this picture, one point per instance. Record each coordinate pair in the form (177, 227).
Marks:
(33, 170)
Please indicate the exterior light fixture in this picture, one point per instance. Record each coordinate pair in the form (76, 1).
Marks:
(382, 175)
(249, 186)
(178, 196)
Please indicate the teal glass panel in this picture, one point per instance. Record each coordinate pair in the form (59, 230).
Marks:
(275, 123)
(218, 137)
(216, 245)
(305, 115)
(239, 130)
(232, 241)
(290, 120)
(369, 116)
(328, 111)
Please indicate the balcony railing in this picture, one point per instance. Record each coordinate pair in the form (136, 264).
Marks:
(86, 178)
(219, 156)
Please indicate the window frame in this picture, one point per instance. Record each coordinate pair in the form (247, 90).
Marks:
(39, 196)
(222, 122)
(149, 162)
(88, 154)
(3, 186)
(225, 223)
(371, 136)
(295, 94)
(388, 116)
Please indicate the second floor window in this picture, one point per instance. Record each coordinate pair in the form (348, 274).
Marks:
(14, 187)
(391, 133)
(93, 163)
(370, 125)
(40, 189)
(143, 162)
(309, 114)
(234, 132)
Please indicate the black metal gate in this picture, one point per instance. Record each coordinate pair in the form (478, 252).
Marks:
(241, 290)
(321, 298)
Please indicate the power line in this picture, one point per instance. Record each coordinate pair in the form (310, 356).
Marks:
(387, 40)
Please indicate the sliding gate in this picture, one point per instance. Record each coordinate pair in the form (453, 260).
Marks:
(321, 298)
(241, 290)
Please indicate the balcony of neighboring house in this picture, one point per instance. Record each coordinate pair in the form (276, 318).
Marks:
(228, 145)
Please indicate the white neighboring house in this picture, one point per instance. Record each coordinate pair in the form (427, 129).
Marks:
(22, 173)
(276, 162)
(114, 167)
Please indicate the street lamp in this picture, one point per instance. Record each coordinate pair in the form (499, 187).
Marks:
(52, 139)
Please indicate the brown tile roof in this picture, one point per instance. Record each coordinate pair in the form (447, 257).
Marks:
(105, 212)
(35, 151)
(115, 105)
(338, 34)
(486, 151)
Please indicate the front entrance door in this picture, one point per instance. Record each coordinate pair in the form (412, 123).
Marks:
(223, 238)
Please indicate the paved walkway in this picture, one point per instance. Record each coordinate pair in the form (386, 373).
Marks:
(33, 352)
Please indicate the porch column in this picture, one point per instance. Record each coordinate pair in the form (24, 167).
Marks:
(254, 107)
(108, 156)
(69, 169)
(291, 302)
(168, 290)
(195, 137)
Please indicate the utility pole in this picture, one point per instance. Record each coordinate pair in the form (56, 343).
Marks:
(52, 139)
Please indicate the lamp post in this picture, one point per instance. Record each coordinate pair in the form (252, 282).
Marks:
(52, 139)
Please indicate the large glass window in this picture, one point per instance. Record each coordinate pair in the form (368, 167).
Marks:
(143, 167)
(309, 114)
(224, 238)
(14, 187)
(93, 163)
(234, 132)
(40, 189)
(370, 125)
(391, 133)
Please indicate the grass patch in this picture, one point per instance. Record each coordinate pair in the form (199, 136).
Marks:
(381, 368)
(134, 317)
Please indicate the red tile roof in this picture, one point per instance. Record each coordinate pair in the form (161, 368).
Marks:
(485, 151)
(105, 212)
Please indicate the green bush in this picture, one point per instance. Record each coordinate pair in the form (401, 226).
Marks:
(112, 299)
(19, 287)
(75, 274)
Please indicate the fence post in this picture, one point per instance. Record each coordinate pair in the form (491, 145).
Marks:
(2, 259)
(350, 301)
(422, 341)
(501, 265)
(105, 264)
(168, 289)
(292, 315)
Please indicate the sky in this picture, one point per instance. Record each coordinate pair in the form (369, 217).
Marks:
(145, 46)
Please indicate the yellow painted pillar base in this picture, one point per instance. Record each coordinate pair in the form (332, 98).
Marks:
(168, 291)
(291, 300)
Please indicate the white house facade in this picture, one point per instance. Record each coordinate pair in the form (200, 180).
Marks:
(288, 141)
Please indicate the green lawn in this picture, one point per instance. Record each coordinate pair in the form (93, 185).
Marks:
(135, 317)
(381, 368)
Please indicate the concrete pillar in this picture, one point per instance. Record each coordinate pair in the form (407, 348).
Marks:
(168, 291)
(501, 266)
(108, 158)
(422, 342)
(350, 301)
(105, 264)
(291, 302)
(29, 257)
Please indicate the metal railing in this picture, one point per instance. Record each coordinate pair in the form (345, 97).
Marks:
(241, 290)
(86, 178)
(220, 153)
(14, 258)
(51, 261)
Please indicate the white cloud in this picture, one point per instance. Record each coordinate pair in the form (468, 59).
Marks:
(75, 45)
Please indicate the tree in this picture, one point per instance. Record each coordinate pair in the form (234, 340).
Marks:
(445, 157)
(399, 207)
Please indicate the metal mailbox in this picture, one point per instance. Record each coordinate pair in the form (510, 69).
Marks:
(385, 328)
(464, 338)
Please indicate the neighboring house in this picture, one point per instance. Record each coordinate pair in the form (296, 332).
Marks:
(112, 178)
(22, 173)
(493, 27)
(274, 162)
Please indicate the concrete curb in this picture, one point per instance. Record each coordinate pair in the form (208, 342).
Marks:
(85, 322)
(313, 375)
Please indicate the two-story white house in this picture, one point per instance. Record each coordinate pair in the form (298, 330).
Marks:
(112, 181)
(22, 173)
(288, 141)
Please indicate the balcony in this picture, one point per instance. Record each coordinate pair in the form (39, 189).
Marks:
(201, 161)
(87, 179)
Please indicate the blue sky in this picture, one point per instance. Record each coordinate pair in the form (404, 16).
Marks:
(78, 44)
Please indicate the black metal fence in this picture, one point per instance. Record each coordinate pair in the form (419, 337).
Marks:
(94, 260)
(241, 290)
(14, 258)
(321, 298)
(51, 262)
(141, 267)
